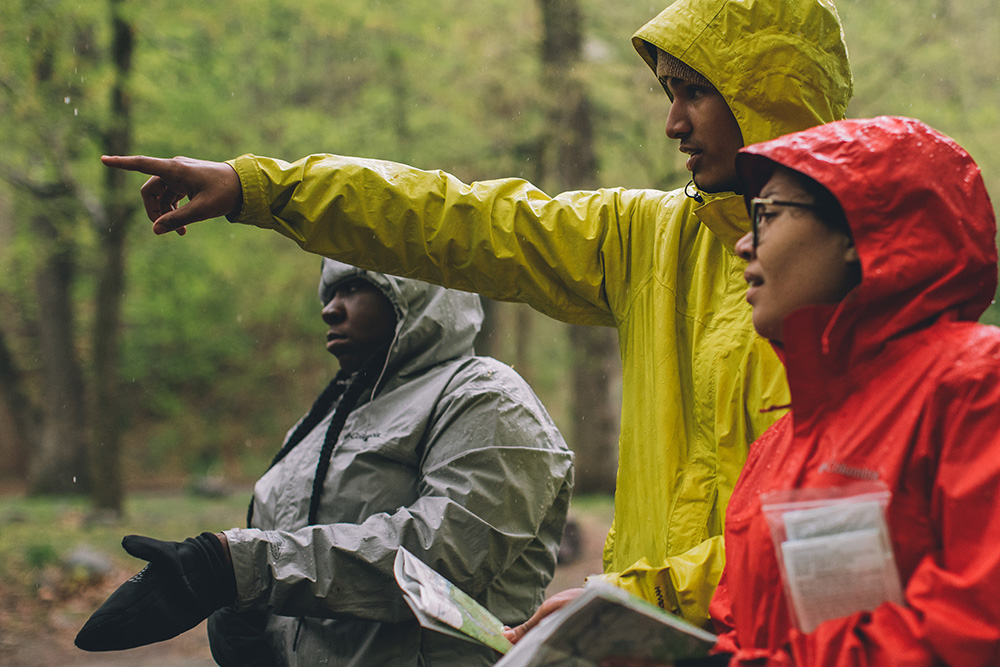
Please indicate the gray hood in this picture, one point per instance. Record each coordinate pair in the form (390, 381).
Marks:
(433, 324)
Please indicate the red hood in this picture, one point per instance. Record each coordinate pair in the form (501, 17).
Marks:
(922, 223)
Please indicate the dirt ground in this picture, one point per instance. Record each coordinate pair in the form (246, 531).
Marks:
(42, 635)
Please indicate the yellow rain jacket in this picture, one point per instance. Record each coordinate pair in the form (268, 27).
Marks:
(658, 266)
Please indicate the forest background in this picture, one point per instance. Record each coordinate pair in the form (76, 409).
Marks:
(129, 361)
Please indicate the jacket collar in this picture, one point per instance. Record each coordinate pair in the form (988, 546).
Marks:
(726, 216)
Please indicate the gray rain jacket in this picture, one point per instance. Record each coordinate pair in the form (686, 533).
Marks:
(451, 456)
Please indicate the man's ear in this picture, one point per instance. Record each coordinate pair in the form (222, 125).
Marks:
(851, 255)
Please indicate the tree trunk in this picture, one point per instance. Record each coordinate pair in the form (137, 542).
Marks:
(595, 410)
(401, 102)
(20, 436)
(570, 152)
(487, 341)
(524, 323)
(108, 487)
(58, 464)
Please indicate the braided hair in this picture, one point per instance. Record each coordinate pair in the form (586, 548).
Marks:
(348, 388)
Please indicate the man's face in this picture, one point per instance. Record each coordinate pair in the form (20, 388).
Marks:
(361, 321)
(700, 118)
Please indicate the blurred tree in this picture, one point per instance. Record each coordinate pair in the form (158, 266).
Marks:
(58, 462)
(41, 140)
(113, 218)
(46, 78)
(25, 420)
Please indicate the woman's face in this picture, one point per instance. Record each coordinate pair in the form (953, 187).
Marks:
(798, 261)
(362, 321)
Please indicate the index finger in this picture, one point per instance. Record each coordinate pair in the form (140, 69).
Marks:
(151, 166)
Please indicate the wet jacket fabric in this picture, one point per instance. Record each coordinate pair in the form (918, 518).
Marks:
(658, 266)
(898, 383)
(451, 456)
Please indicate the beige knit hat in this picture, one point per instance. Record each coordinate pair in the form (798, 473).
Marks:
(674, 67)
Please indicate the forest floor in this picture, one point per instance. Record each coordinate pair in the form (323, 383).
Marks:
(44, 601)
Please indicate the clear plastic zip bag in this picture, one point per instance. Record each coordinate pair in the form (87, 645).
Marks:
(833, 549)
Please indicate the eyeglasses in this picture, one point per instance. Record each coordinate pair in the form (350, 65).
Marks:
(758, 210)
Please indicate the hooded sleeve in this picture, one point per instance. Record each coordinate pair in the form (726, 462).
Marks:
(494, 485)
(951, 613)
(504, 239)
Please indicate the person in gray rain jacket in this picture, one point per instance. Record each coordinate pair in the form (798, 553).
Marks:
(415, 443)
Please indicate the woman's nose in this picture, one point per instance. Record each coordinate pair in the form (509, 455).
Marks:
(744, 247)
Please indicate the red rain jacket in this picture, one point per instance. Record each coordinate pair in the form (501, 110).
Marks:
(898, 382)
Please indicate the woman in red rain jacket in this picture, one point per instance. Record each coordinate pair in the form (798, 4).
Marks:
(872, 306)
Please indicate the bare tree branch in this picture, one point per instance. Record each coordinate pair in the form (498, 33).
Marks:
(38, 189)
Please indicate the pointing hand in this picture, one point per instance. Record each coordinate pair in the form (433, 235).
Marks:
(213, 189)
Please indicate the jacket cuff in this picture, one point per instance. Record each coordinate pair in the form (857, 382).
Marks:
(249, 547)
(255, 209)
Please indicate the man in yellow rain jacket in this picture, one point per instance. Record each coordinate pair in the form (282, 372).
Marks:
(698, 383)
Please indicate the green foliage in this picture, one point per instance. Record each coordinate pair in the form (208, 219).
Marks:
(600, 505)
(39, 555)
(224, 348)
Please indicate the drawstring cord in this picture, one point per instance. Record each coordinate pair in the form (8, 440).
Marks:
(298, 629)
(825, 338)
(695, 195)
(378, 380)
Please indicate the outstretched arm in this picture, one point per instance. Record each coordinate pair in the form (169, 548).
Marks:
(213, 189)
(570, 256)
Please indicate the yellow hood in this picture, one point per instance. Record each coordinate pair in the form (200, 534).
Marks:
(781, 66)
